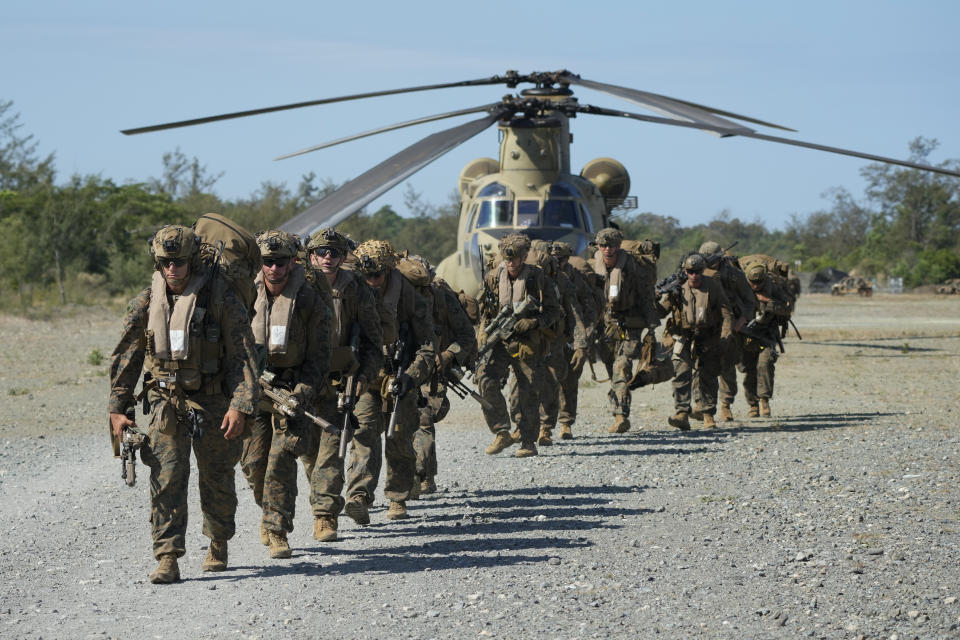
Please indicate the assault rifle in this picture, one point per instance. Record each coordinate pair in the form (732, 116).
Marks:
(672, 284)
(714, 259)
(502, 327)
(763, 334)
(455, 383)
(288, 404)
(403, 353)
(347, 398)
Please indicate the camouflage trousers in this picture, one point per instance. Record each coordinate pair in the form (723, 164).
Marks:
(620, 356)
(554, 371)
(366, 458)
(167, 453)
(425, 439)
(525, 396)
(269, 462)
(728, 370)
(569, 388)
(758, 368)
(696, 363)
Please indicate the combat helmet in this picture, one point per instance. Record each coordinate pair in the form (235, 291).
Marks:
(330, 237)
(608, 236)
(417, 270)
(175, 241)
(277, 244)
(756, 272)
(375, 257)
(560, 249)
(514, 244)
(709, 248)
(694, 262)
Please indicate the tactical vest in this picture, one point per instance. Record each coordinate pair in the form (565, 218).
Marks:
(696, 313)
(390, 305)
(296, 349)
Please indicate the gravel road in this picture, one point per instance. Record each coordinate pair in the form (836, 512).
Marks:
(835, 518)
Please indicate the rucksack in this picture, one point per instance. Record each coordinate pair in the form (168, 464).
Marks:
(774, 267)
(238, 262)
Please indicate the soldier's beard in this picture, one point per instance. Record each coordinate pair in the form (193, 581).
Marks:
(177, 283)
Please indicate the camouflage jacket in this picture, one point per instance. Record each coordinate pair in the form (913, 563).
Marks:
(413, 310)
(743, 302)
(355, 303)
(778, 305)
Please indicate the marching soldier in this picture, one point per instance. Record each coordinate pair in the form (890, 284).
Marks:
(408, 340)
(759, 362)
(700, 325)
(357, 357)
(629, 294)
(190, 332)
(291, 325)
(522, 351)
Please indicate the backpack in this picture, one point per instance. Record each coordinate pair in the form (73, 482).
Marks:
(774, 267)
(238, 261)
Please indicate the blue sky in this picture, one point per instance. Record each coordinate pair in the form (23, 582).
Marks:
(869, 76)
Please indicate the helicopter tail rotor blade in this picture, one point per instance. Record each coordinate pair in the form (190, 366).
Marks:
(400, 125)
(689, 111)
(368, 186)
(726, 132)
(312, 103)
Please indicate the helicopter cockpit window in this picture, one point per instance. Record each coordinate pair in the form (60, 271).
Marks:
(495, 213)
(587, 220)
(527, 213)
(563, 189)
(493, 190)
(560, 213)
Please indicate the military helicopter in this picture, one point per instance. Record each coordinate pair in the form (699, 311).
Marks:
(530, 188)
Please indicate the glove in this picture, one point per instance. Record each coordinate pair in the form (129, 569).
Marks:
(579, 358)
(524, 325)
(444, 358)
(403, 384)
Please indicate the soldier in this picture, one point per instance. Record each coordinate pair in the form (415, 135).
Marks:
(291, 325)
(773, 306)
(522, 352)
(408, 340)
(700, 325)
(629, 309)
(576, 357)
(357, 352)
(456, 347)
(189, 331)
(743, 304)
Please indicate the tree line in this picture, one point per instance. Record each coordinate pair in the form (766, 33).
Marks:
(84, 239)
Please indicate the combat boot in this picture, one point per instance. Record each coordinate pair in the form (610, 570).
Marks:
(414, 493)
(216, 559)
(325, 528)
(754, 411)
(679, 421)
(279, 547)
(500, 442)
(708, 421)
(167, 570)
(764, 407)
(264, 538)
(526, 450)
(621, 424)
(544, 439)
(397, 510)
(725, 413)
(428, 486)
(356, 508)
(515, 436)
(697, 413)
(566, 432)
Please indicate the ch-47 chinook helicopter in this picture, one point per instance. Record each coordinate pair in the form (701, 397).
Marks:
(530, 188)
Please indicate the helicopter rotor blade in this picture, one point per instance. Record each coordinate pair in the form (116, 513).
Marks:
(671, 106)
(726, 132)
(311, 103)
(399, 125)
(368, 186)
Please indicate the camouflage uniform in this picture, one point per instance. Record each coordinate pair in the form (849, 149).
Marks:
(758, 361)
(629, 309)
(215, 372)
(355, 314)
(700, 326)
(299, 363)
(743, 304)
(523, 353)
(403, 314)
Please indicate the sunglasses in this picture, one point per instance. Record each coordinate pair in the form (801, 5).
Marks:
(692, 273)
(166, 262)
(374, 275)
(279, 262)
(323, 252)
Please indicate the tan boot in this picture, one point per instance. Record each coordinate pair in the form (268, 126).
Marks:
(566, 432)
(709, 422)
(428, 486)
(620, 424)
(356, 508)
(725, 413)
(414, 493)
(697, 413)
(167, 570)
(680, 420)
(526, 450)
(764, 407)
(216, 559)
(500, 442)
(754, 411)
(279, 547)
(325, 528)
(515, 436)
(397, 510)
(544, 439)
(264, 538)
